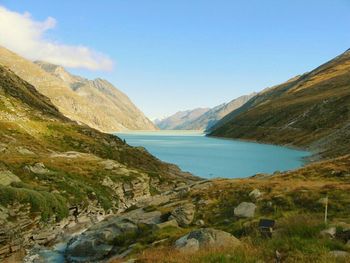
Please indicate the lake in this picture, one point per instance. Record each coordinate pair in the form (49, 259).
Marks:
(212, 157)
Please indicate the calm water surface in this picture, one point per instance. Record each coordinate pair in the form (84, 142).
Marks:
(211, 157)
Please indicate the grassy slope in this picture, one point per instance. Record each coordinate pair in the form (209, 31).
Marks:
(310, 110)
(29, 121)
(291, 198)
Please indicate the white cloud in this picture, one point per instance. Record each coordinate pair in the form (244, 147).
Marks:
(25, 36)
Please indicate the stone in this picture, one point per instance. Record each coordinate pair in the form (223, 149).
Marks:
(206, 237)
(255, 194)
(38, 168)
(183, 214)
(170, 223)
(200, 222)
(245, 209)
(138, 216)
(95, 243)
(329, 233)
(7, 177)
(24, 151)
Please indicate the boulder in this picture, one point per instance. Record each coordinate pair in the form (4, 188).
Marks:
(245, 209)
(330, 232)
(206, 237)
(255, 194)
(183, 214)
(38, 168)
(170, 223)
(200, 222)
(95, 243)
(138, 216)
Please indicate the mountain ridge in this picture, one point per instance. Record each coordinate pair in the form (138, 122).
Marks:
(74, 105)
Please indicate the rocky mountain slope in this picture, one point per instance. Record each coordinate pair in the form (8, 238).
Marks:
(201, 119)
(310, 111)
(181, 119)
(113, 103)
(58, 176)
(95, 103)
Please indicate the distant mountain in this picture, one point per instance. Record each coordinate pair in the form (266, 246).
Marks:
(311, 110)
(201, 119)
(181, 119)
(212, 116)
(93, 102)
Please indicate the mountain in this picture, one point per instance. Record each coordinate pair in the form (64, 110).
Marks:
(56, 174)
(311, 110)
(212, 116)
(95, 103)
(181, 119)
(201, 119)
(110, 101)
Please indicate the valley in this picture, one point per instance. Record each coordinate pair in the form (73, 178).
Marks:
(85, 176)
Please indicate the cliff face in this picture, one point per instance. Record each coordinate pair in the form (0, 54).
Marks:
(95, 103)
(311, 110)
(55, 174)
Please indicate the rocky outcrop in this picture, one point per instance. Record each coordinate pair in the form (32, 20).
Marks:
(245, 209)
(206, 238)
(183, 214)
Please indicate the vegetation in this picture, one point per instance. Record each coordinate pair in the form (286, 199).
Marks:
(311, 110)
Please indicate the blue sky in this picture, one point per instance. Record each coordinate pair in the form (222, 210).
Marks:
(182, 54)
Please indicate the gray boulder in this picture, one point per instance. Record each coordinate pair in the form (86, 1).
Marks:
(96, 242)
(245, 209)
(206, 237)
(183, 214)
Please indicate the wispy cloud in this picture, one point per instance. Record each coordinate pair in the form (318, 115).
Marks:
(26, 36)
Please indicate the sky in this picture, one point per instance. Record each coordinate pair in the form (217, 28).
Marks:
(181, 54)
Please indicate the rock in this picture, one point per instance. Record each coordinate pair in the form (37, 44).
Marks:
(200, 222)
(245, 209)
(339, 253)
(24, 151)
(95, 243)
(183, 214)
(330, 232)
(7, 177)
(170, 223)
(38, 168)
(205, 237)
(255, 194)
(138, 216)
(203, 185)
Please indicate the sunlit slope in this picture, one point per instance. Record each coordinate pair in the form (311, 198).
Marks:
(311, 110)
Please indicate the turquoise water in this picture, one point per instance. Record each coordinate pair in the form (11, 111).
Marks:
(211, 157)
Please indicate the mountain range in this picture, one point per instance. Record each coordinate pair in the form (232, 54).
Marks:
(96, 103)
(201, 118)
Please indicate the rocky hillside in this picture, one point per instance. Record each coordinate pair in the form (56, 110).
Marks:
(201, 119)
(57, 176)
(77, 98)
(107, 99)
(181, 119)
(310, 111)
